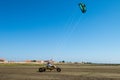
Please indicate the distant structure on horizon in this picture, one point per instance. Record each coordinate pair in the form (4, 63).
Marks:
(3, 60)
(28, 61)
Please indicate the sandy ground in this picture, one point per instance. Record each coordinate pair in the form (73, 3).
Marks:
(69, 72)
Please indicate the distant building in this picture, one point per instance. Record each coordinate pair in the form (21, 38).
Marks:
(51, 61)
(35, 61)
(40, 61)
(27, 61)
(3, 60)
(11, 61)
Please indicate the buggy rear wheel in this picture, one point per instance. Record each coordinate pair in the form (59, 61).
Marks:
(44, 69)
(40, 69)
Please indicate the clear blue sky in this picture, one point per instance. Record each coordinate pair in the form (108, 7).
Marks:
(56, 29)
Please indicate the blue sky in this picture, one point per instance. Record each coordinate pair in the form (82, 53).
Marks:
(56, 29)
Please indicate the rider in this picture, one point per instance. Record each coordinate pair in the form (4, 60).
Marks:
(49, 64)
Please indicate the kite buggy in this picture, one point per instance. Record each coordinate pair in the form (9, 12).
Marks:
(51, 68)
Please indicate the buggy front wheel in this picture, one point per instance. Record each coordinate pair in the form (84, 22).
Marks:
(58, 69)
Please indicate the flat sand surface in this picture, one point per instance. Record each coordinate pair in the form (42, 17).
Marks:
(69, 72)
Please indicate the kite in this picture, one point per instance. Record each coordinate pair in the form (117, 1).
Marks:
(82, 7)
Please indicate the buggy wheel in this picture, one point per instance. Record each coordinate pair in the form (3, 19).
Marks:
(40, 69)
(44, 69)
(58, 69)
